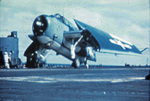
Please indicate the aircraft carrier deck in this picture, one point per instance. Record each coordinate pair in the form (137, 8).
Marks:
(68, 84)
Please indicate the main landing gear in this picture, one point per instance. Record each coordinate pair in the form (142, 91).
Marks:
(76, 63)
(33, 61)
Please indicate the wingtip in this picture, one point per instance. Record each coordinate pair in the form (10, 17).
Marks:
(76, 21)
(79, 25)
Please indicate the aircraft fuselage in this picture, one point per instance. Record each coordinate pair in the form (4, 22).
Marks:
(52, 36)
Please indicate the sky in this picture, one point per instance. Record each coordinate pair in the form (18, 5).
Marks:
(127, 19)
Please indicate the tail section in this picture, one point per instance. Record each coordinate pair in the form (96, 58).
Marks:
(144, 49)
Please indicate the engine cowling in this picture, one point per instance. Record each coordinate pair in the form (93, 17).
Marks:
(39, 25)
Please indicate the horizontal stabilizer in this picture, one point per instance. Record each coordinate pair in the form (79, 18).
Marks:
(144, 49)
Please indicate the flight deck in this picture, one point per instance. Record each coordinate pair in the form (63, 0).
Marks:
(57, 84)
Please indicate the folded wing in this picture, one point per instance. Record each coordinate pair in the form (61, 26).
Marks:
(108, 42)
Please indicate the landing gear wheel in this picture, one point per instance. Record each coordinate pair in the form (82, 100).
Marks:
(32, 61)
(76, 63)
(86, 65)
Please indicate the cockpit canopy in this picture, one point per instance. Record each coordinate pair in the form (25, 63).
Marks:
(65, 21)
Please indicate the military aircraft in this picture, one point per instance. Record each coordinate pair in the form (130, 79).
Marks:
(77, 43)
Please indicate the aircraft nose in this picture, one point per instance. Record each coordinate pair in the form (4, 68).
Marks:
(39, 25)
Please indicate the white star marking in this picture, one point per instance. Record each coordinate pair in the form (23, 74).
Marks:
(118, 42)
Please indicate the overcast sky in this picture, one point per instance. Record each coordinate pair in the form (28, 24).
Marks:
(127, 19)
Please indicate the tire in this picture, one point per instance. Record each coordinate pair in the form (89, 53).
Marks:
(76, 63)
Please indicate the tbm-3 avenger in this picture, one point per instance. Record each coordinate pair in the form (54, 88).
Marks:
(77, 43)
